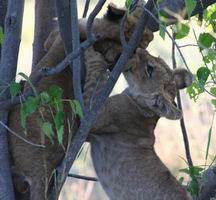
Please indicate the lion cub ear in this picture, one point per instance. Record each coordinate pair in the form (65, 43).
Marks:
(183, 78)
(114, 13)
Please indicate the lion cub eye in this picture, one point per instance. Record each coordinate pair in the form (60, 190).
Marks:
(149, 70)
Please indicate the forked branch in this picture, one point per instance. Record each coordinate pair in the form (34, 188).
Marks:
(90, 117)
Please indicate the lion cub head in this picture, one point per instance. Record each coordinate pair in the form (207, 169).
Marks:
(153, 85)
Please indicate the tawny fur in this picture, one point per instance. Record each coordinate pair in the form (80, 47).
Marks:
(122, 139)
(109, 29)
(38, 164)
(46, 160)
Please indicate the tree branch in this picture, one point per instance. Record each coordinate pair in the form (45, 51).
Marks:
(76, 66)
(64, 20)
(86, 8)
(182, 122)
(20, 137)
(90, 117)
(42, 72)
(82, 177)
(176, 7)
(13, 27)
(45, 13)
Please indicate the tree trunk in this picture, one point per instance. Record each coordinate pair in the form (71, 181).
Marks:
(8, 65)
(45, 22)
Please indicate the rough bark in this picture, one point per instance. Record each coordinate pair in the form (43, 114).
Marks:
(13, 26)
(45, 22)
(64, 20)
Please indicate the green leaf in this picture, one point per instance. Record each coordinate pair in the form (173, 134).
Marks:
(202, 75)
(205, 40)
(76, 108)
(194, 91)
(29, 82)
(45, 98)
(162, 32)
(211, 55)
(213, 90)
(1, 35)
(59, 124)
(193, 187)
(48, 130)
(190, 5)
(195, 171)
(55, 92)
(15, 88)
(27, 108)
(208, 144)
(128, 4)
(213, 101)
(213, 15)
(214, 68)
(186, 171)
(182, 30)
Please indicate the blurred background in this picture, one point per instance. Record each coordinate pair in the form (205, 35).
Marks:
(169, 142)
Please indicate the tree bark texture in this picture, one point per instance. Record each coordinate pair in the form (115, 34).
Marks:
(64, 20)
(8, 65)
(45, 22)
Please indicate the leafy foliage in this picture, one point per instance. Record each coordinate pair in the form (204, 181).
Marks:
(47, 101)
(195, 174)
(204, 77)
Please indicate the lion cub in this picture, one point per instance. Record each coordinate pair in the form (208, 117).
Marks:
(122, 140)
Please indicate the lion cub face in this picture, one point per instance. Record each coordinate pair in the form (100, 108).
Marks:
(153, 85)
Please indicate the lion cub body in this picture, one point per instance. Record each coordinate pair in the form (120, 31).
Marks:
(122, 139)
(122, 149)
(118, 121)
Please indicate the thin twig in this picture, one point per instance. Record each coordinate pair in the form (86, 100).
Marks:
(86, 8)
(182, 122)
(20, 137)
(87, 178)
(170, 36)
(188, 45)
